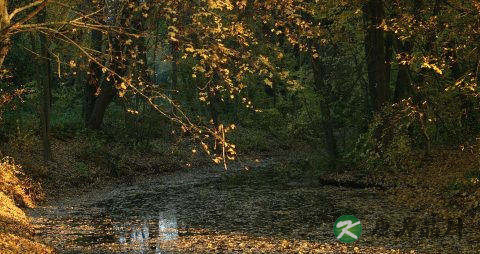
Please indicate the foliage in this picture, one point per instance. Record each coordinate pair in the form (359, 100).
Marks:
(12, 186)
(16, 192)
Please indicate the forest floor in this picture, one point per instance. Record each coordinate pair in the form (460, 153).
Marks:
(249, 211)
(16, 231)
(256, 206)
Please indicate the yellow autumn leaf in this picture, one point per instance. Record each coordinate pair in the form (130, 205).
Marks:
(173, 28)
(217, 160)
(268, 82)
(133, 112)
(433, 67)
(123, 86)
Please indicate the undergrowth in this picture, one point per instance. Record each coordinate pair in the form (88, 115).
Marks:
(16, 192)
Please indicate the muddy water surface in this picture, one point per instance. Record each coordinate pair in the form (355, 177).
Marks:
(212, 211)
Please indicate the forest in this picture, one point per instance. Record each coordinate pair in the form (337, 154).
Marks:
(239, 126)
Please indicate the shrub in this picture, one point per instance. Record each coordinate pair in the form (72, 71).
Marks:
(395, 140)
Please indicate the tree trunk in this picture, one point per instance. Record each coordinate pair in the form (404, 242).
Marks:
(118, 62)
(403, 83)
(109, 90)
(214, 103)
(5, 42)
(94, 78)
(389, 54)
(46, 80)
(402, 86)
(325, 91)
(175, 57)
(101, 103)
(377, 68)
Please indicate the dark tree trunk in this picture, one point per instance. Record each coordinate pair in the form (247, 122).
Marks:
(214, 101)
(94, 78)
(46, 80)
(375, 51)
(403, 86)
(142, 45)
(403, 83)
(108, 90)
(118, 63)
(454, 66)
(430, 44)
(325, 91)
(214, 114)
(175, 57)
(101, 103)
(389, 53)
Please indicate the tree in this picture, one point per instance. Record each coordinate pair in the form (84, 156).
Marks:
(325, 90)
(120, 15)
(94, 76)
(45, 77)
(7, 27)
(375, 51)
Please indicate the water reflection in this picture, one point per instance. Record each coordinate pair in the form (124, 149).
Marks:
(167, 226)
(136, 237)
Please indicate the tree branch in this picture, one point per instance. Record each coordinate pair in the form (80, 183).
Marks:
(31, 14)
(20, 9)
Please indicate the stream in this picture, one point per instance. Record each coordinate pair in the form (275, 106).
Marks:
(130, 218)
(201, 211)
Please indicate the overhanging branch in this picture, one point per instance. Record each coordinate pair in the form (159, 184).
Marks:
(32, 14)
(23, 8)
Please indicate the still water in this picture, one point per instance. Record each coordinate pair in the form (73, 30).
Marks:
(137, 237)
